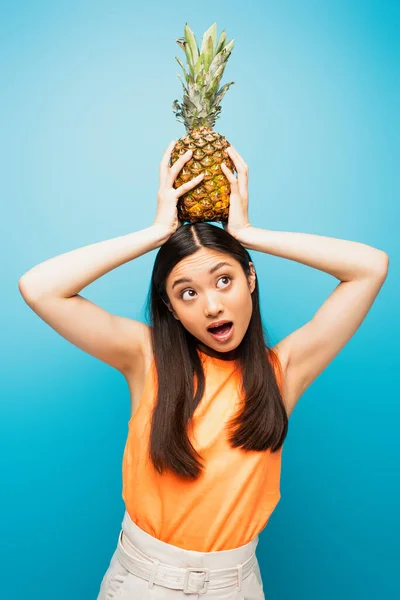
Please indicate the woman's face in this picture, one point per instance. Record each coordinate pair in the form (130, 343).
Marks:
(224, 294)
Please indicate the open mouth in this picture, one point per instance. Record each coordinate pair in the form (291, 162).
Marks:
(222, 332)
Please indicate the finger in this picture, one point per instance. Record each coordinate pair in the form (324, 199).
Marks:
(230, 154)
(185, 187)
(164, 165)
(237, 159)
(240, 165)
(178, 165)
(228, 173)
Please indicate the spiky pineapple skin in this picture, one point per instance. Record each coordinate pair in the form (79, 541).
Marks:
(209, 200)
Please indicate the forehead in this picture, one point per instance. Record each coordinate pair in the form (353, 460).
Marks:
(199, 264)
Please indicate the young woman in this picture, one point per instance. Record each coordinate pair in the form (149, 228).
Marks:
(209, 407)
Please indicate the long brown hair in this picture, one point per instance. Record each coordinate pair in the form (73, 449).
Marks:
(263, 421)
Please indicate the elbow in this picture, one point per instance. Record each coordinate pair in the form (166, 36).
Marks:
(23, 288)
(26, 290)
(382, 264)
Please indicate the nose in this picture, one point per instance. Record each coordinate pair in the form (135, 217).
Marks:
(213, 305)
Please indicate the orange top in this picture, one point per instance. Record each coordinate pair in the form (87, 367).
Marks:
(231, 501)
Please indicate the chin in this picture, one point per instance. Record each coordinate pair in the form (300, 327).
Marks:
(227, 348)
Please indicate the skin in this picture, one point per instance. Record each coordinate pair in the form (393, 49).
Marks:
(210, 298)
(52, 289)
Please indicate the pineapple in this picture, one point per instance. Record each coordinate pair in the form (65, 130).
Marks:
(209, 200)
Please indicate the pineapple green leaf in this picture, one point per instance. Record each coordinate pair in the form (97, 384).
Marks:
(228, 48)
(191, 41)
(221, 42)
(215, 81)
(218, 61)
(180, 62)
(189, 58)
(183, 85)
(199, 65)
(181, 43)
(183, 68)
(222, 92)
(208, 53)
(176, 106)
(211, 32)
(189, 104)
(200, 80)
(201, 96)
(194, 95)
(177, 109)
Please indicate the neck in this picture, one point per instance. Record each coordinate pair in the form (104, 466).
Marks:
(230, 355)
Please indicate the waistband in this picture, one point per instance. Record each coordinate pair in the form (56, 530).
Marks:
(172, 566)
(180, 557)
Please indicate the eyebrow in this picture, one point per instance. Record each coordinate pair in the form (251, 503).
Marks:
(211, 271)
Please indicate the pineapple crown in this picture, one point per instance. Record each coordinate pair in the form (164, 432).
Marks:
(202, 98)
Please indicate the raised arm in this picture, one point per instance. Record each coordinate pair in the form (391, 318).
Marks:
(361, 269)
(52, 288)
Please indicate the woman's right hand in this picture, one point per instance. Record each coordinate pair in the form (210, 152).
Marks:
(167, 196)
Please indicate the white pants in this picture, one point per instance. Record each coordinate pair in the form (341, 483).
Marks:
(145, 568)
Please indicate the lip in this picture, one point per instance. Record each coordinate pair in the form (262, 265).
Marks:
(226, 337)
(216, 323)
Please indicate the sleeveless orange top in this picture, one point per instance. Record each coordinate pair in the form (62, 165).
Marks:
(231, 501)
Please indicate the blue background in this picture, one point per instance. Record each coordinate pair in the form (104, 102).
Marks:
(86, 95)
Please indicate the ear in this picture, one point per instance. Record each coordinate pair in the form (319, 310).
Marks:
(168, 305)
(252, 278)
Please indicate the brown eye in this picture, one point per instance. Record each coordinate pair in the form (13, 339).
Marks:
(184, 291)
(191, 290)
(225, 277)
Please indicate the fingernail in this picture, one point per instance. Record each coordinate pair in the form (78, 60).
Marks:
(188, 152)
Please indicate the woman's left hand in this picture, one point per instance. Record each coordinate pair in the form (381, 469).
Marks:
(238, 218)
